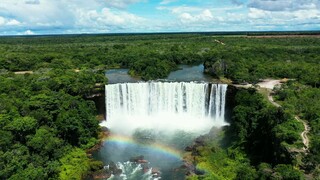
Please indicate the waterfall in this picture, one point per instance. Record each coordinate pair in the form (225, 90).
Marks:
(191, 105)
(157, 120)
(217, 102)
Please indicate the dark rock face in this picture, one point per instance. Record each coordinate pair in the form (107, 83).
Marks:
(200, 141)
(105, 129)
(114, 169)
(199, 172)
(137, 159)
(189, 168)
(188, 148)
(230, 102)
(99, 101)
(155, 172)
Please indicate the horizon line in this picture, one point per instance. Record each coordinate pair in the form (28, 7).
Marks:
(283, 32)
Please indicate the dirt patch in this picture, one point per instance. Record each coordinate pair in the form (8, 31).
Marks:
(269, 83)
(304, 133)
(23, 72)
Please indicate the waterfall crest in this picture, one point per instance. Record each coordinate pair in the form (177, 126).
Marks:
(188, 105)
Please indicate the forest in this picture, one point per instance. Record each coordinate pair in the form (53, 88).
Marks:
(47, 121)
(47, 124)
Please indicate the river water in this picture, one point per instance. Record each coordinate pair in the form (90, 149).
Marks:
(146, 123)
(186, 73)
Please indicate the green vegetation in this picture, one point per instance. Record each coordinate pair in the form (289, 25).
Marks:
(256, 145)
(154, 56)
(270, 135)
(43, 118)
(304, 101)
(47, 123)
(150, 57)
(74, 165)
(251, 59)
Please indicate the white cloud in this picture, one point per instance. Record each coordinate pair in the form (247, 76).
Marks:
(13, 22)
(109, 19)
(293, 14)
(121, 4)
(53, 12)
(183, 9)
(2, 21)
(72, 15)
(85, 16)
(285, 19)
(203, 16)
(283, 5)
(235, 18)
(168, 1)
(300, 15)
(8, 22)
(191, 15)
(28, 32)
(197, 18)
(258, 13)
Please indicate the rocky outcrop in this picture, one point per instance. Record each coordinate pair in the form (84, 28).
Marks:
(98, 97)
(190, 169)
(138, 159)
(189, 164)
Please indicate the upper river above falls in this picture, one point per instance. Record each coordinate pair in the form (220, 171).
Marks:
(186, 73)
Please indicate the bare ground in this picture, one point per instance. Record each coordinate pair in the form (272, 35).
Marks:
(270, 83)
(23, 72)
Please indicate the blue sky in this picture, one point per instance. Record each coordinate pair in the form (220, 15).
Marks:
(23, 17)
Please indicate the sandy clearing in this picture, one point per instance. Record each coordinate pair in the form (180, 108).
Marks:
(23, 72)
(269, 83)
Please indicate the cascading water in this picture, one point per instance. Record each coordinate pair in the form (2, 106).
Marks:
(177, 110)
(165, 105)
(132, 170)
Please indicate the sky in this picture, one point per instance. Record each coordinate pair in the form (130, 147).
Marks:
(32, 17)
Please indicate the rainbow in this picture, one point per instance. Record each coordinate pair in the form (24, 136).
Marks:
(156, 147)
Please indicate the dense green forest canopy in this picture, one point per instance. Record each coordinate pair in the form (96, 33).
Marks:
(44, 120)
(47, 123)
(255, 145)
(241, 58)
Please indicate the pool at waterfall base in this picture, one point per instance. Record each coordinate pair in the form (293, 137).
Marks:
(151, 123)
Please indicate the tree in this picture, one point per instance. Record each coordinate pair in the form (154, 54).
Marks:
(287, 172)
(74, 165)
(246, 172)
(44, 142)
(22, 126)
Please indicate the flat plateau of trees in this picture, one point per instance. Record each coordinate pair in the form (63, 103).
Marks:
(46, 123)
